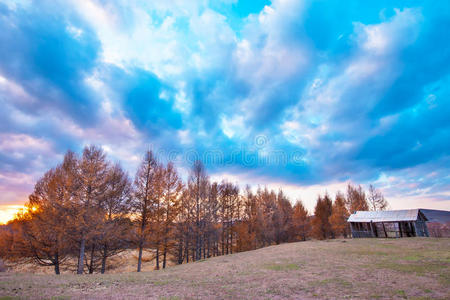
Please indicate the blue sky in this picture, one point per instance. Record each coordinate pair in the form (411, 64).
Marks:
(303, 95)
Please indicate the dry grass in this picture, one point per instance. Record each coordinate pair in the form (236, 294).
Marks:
(121, 263)
(413, 268)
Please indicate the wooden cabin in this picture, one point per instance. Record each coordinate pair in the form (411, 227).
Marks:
(389, 223)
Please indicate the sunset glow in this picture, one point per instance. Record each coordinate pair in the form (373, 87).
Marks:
(8, 212)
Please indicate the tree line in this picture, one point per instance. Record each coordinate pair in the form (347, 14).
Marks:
(87, 210)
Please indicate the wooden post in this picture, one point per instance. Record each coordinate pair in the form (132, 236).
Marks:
(384, 229)
(375, 229)
(371, 229)
(400, 228)
(415, 230)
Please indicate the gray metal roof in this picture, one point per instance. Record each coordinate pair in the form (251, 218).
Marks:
(439, 216)
(384, 216)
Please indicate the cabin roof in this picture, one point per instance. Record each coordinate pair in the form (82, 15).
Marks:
(385, 216)
(434, 215)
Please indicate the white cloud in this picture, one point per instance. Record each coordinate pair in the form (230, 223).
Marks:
(353, 90)
(10, 142)
(278, 59)
(15, 92)
(385, 38)
(185, 137)
(233, 126)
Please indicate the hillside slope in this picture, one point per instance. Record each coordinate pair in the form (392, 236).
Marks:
(413, 268)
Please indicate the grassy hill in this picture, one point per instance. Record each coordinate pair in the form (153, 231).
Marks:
(412, 268)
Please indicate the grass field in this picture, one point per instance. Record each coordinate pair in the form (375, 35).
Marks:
(410, 268)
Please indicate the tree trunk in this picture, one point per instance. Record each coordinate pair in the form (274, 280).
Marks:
(223, 238)
(196, 245)
(140, 255)
(228, 241)
(105, 255)
(157, 257)
(204, 246)
(91, 264)
(164, 257)
(56, 264)
(180, 252)
(81, 255)
(231, 238)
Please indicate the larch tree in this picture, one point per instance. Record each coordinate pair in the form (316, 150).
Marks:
(197, 185)
(300, 222)
(356, 199)
(376, 199)
(93, 174)
(157, 215)
(46, 223)
(212, 208)
(228, 198)
(339, 216)
(42, 235)
(320, 223)
(250, 221)
(171, 202)
(144, 193)
(282, 219)
(182, 229)
(117, 206)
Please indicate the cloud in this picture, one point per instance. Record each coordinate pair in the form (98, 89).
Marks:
(46, 62)
(303, 94)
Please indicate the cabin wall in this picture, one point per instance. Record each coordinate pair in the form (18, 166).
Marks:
(388, 229)
(421, 228)
(361, 230)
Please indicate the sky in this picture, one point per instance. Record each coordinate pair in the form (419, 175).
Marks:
(301, 95)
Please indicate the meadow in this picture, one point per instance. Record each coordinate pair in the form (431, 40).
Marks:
(410, 268)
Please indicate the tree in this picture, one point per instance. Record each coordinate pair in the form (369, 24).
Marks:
(156, 214)
(173, 188)
(228, 201)
(339, 216)
(144, 193)
(93, 174)
(197, 185)
(212, 220)
(267, 202)
(282, 219)
(356, 199)
(320, 224)
(117, 205)
(301, 226)
(247, 240)
(182, 229)
(40, 232)
(376, 199)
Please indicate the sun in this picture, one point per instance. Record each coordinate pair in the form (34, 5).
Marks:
(8, 212)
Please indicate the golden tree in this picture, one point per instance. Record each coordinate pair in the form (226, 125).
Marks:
(143, 200)
(171, 203)
(301, 226)
(321, 227)
(339, 216)
(356, 199)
